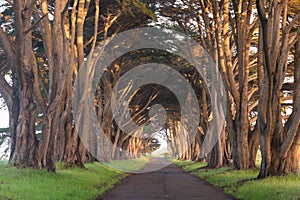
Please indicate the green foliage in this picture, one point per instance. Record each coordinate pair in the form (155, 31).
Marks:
(144, 9)
(129, 165)
(273, 188)
(66, 183)
(4, 130)
(243, 183)
(3, 162)
(207, 173)
(188, 165)
(230, 179)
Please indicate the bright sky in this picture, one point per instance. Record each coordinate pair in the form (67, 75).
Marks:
(3, 113)
(2, 2)
(4, 118)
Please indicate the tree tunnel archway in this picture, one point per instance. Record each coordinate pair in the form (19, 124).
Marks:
(179, 80)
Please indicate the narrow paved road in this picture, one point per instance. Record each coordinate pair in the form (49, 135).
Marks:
(170, 182)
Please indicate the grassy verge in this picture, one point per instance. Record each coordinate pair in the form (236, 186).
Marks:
(72, 183)
(243, 185)
(130, 165)
(3, 162)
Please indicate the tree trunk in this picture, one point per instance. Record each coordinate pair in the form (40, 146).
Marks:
(13, 117)
(217, 157)
(25, 149)
(279, 144)
(253, 148)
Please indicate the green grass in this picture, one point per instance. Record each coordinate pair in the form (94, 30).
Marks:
(188, 165)
(3, 162)
(275, 188)
(129, 165)
(243, 185)
(72, 183)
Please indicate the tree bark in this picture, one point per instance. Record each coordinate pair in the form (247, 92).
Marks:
(279, 144)
(218, 157)
(25, 149)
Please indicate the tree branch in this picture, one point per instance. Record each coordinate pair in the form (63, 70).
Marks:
(35, 24)
(7, 47)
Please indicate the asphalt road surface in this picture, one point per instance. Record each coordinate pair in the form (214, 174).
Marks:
(170, 182)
